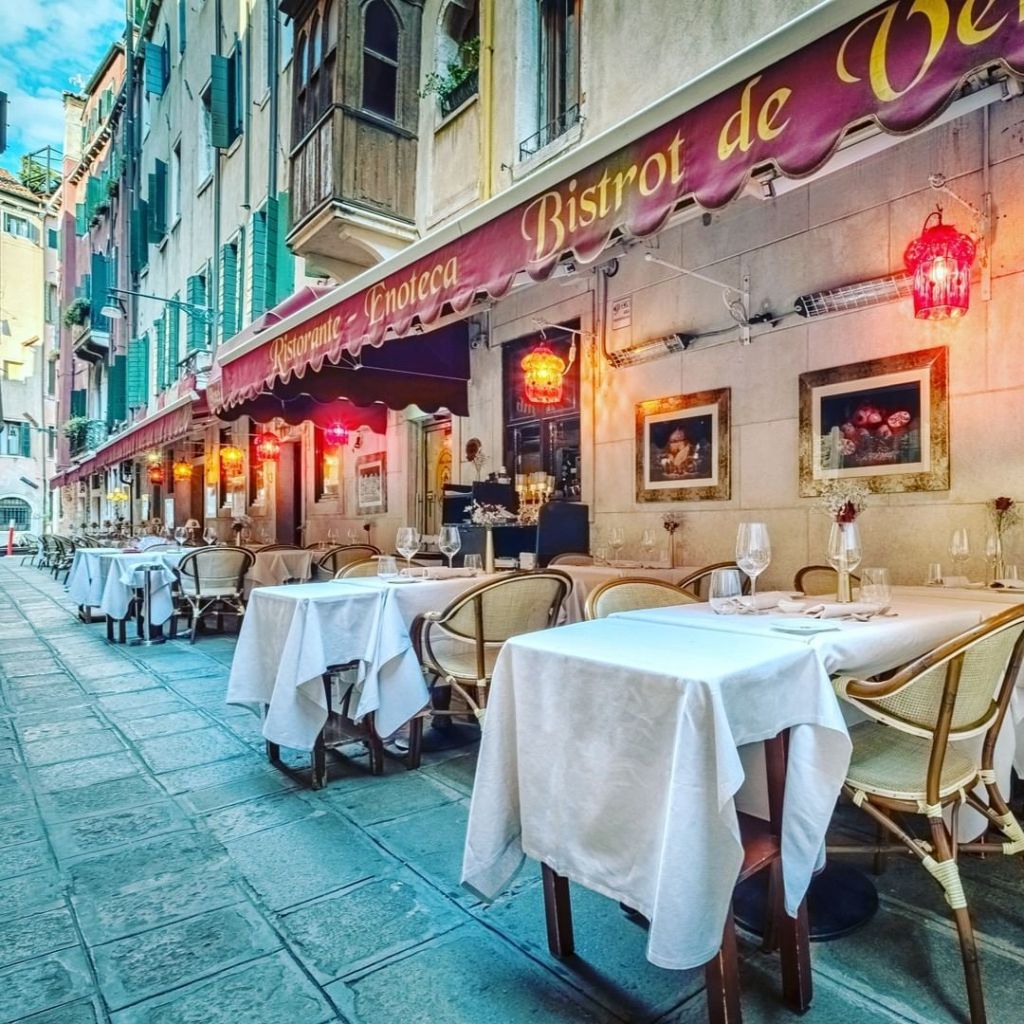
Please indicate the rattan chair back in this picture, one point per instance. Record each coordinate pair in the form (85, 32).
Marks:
(631, 593)
(699, 581)
(280, 547)
(215, 570)
(572, 558)
(336, 558)
(818, 579)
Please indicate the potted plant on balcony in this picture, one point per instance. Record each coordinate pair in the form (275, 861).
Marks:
(77, 313)
(458, 81)
(74, 430)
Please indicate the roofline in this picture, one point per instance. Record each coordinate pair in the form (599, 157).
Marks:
(108, 59)
(819, 21)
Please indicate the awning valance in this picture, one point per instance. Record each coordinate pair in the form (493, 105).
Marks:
(431, 372)
(156, 430)
(774, 106)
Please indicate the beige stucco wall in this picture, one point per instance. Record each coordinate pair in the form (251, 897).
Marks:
(845, 227)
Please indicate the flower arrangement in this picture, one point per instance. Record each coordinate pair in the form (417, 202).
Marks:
(843, 501)
(671, 521)
(484, 514)
(529, 514)
(240, 523)
(1004, 513)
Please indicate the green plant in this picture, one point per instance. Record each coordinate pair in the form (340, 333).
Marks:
(75, 427)
(466, 63)
(113, 186)
(77, 313)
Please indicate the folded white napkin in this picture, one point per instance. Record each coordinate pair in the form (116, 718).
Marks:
(438, 572)
(832, 609)
(624, 563)
(762, 602)
(1008, 584)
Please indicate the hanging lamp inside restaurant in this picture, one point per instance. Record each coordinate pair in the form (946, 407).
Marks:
(940, 260)
(182, 470)
(231, 458)
(267, 446)
(336, 435)
(543, 372)
(155, 473)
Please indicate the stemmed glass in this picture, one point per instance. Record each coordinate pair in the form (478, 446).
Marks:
(448, 542)
(616, 538)
(407, 543)
(753, 553)
(647, 543)
(180, 533)
(350, 536)
(332, 536)
(210, 535)
(959, 549)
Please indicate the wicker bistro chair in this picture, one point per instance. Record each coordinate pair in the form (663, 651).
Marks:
(571, 558)
(631, 593)
(460, 644)
(818, 579)
(213, 578)
(280, 547)
(903, 762)
(336, 558)
(34, 548)
(62, 557)
(699, 580)
(368, 567)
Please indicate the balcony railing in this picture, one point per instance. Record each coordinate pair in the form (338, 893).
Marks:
(549, 132)
(86, 435)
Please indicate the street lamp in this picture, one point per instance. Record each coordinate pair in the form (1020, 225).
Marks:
(114, 308)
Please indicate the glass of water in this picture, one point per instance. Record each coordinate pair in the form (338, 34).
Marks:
(387, 567)
(875, 586)
(725, 591)
(475, 563)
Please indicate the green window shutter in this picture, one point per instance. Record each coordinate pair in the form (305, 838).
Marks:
(220, 102)
(81, 224)
(228, 291)
(93, 192)
(284, 261)
(173, 337)
(155, 71)
(138, 372)
(26, 440)
(140, 235)
(195, 294)
(161, 354)
(158, 199)
(155, 226)
(98, 285)
(236, 90)
(117, 407)
(77, 403)
(52, 239)
(182, 18)
(258, 264)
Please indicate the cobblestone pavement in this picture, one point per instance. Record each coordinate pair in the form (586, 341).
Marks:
(155, 868)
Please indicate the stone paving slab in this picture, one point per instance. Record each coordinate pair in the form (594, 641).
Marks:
(26, 938)
(44, 982)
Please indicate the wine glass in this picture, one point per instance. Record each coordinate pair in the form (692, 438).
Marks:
(407, 543)
(725, 591)
(753, 553)
(448, 542)
(332, 536)
(959, 549)
(616, 538)
(844, 554)
(647, 543)
(180, 534)
(210, 535)
(350, 536)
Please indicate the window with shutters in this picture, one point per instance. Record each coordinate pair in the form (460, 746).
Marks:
(380, 60)
(158, 202)
(226, 92)
(117, 396)
(229, 289)
(51, 377)
(204, 140)
(161, 354)
(52, 303)
(156, 67)
(137, 386)
(19, 226)
(52, 239)
(99, 283)
(13, 440)
(15, 512)
(197, 294)
(174, 184)
(258, 264)
(173, 339)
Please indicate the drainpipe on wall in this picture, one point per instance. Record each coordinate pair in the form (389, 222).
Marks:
(274, 18)
(215, 262)
(487, 94)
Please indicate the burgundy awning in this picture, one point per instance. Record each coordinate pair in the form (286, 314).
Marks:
(154, 431)
(898, 65)
(431, 372)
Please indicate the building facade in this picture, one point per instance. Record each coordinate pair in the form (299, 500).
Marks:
(26, 441)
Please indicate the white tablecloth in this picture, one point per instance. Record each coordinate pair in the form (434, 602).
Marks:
(88, 575)
(291, 634)
(272, 568)
(610, 754)
(587, 578)
(123, 575)
(926, 617)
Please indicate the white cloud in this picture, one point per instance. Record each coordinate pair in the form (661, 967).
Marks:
(45, 44)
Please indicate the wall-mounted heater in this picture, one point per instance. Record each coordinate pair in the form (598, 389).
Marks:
(645, 351)
(849, 297)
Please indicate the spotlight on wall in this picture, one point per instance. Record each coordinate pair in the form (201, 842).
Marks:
(646, 351)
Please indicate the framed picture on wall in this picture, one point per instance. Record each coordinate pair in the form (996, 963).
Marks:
(883, 422)
(371, 484)
(683, 448)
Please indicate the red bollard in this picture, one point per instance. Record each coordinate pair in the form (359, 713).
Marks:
(10, 540)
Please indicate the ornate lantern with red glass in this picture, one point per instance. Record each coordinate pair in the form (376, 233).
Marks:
(940, 260)
(542, 377)
(267, 446)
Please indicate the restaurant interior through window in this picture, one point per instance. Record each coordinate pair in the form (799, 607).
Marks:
(541, 374)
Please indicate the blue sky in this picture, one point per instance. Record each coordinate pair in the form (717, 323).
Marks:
(46, 48)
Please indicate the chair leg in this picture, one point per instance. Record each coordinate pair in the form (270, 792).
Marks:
(415, 754)
(965, 930)
(557, 913)
(319, 760)
(374, 745)
(721, 978)
(273, 752)
(794, 945)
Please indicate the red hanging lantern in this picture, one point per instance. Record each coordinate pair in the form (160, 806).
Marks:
(156, 474)
(542, 379)
(182, 470)
(268, 447)
(336, 434)
(231, 458)
(940, 260)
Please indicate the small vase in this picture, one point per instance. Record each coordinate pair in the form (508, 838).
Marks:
(844, 554)
(994, 556)
(488, 549)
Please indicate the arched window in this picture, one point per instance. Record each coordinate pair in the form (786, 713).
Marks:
(314, 46)
(16, 511)
(330, 28)
(380, 60)
(301, 70)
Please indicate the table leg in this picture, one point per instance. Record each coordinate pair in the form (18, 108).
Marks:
(722, 979)
(557, 913)
(319, 760)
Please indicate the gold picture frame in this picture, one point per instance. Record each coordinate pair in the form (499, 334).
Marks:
(883, 422)
(683, 447)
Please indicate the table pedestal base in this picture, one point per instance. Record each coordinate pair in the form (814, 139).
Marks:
(841, 899)
(449, 736)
